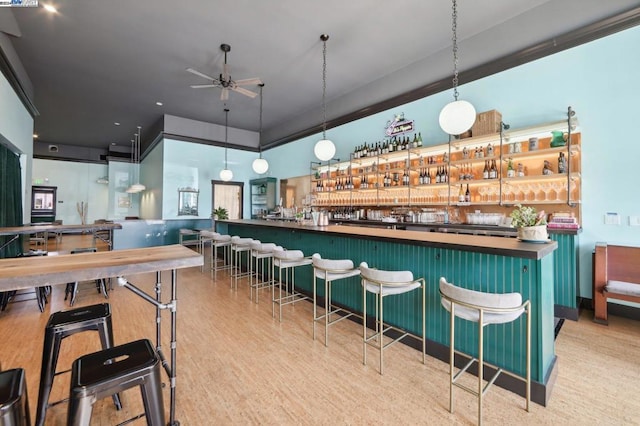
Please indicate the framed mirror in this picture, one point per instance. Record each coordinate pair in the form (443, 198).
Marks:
(43, 203)
(188, 201)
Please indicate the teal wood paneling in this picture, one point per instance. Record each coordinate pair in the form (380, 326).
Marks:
(565, 270)
(504, 344)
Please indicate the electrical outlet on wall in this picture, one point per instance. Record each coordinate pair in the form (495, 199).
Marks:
(611, 218)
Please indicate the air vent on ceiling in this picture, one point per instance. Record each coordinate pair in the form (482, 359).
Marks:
(53, 148)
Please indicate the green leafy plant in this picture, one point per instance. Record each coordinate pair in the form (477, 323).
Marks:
(220, 213)
(527, 216)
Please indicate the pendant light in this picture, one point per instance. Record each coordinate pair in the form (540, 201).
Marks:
(138, 187)
(260, 165)
(226, 175)
(458, 116)
(324, 149)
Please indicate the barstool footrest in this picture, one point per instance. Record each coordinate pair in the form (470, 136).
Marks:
(489, 383)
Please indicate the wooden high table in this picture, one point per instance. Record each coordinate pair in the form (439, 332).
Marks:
(16, 231)
(26, 272)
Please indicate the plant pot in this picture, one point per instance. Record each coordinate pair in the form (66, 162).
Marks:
(533, 233)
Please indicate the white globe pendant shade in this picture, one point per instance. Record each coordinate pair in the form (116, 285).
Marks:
(226, 175)
(457, 117)
(324, 150)
(260, 166)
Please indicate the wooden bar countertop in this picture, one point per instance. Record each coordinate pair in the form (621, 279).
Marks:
(502, 246)
(37, 271)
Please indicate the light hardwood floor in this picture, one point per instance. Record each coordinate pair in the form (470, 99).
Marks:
(237, 365)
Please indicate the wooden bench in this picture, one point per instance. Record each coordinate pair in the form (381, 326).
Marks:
(616, 275)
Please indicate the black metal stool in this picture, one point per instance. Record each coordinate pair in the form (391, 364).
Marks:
(72, 288)
(100, 374)
(64, 324)
(14, 402)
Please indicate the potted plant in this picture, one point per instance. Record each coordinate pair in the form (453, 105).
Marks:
(531, 224)
(220, 214)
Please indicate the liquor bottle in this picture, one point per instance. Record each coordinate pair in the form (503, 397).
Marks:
(461, 195)
(419, 139)
(562, 163)
(510, 171)
(467, 195)
(485, 172)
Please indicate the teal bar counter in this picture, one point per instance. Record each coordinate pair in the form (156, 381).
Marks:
(482, 263)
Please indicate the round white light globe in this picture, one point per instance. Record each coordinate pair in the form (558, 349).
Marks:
(260, 166)
(457, 117)
(324, 150)
(226, 175)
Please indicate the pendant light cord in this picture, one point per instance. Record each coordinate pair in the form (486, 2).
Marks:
(226, 133)
(454, 29)
(260, 127)
(324, 38)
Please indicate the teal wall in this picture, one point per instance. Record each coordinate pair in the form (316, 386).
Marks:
(76, 182)
(151, 173)
(599, 80)
(16, 132)
(195, 165)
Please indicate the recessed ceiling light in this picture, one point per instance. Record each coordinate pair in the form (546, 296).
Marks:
(116, 123)
(159, 103)
(49, 8)
(35, 136)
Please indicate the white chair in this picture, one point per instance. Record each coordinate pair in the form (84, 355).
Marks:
(329, 270)
(189, 237)
(260, 252)
(238, 247)
(223, 242)
(206, 237)
(286, 260)
(484, 309)
(383, 284)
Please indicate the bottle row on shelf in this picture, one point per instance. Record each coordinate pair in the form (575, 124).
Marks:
(387, 146)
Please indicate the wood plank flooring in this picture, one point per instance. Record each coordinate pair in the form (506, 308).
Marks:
(238, 365)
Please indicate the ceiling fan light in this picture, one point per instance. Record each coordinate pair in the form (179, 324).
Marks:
(226, 175)
(457, 117)
(260, 166)
(324, 150)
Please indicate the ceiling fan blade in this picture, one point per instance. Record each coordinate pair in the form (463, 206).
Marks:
(225, 94)
(245, 92)
(203, 86)
(248, 82)
(198, 73)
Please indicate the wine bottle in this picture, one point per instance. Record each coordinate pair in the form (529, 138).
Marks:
(419, 139)
(467, 195)
(461, 195)
(562, 163)
(427, 179)
(438, 175)
(414, 144)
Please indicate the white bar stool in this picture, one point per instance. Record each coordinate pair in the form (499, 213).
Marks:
(382, 284)
(238, 247)
(484, 309)
(206, 237)
(329, 270)
(259, 253)
(223, 242)
(286, 260)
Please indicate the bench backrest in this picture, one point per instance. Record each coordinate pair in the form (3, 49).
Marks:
(623, 263)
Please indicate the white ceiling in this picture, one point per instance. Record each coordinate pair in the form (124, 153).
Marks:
(96, 62)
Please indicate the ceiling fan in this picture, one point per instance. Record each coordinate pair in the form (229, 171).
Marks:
(224, 81)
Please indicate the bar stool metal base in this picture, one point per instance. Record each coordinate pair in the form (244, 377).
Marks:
(14, 401)
(101, 374)
(61, 325)
(287, 261)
